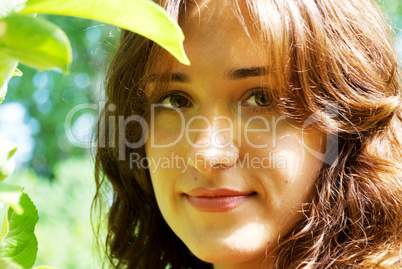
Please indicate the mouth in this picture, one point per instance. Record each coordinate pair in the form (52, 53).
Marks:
(220, 200)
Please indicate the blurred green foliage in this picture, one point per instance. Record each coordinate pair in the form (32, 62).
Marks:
(49, 96)
(393, 9)
(64, 233)
(58, 175)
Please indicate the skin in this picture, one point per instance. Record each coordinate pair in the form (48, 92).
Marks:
(284, 172)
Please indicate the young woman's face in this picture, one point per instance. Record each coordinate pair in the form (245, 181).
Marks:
(230, 174)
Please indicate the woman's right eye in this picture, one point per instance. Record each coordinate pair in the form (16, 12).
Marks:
(175, 101)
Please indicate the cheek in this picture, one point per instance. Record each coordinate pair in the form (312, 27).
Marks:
(165, 129)
(294, 152)
(166, 166)
(162, 181)
(289, 169)
(159, 177)
(285, 146)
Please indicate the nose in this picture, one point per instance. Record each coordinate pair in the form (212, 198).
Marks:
(213, 148)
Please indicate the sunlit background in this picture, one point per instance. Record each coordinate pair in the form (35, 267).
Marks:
(51, 118)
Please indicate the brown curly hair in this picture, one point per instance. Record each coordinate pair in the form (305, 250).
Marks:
(335, 63)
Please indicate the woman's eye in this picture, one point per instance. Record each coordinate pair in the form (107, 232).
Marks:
(175, 101)
(259, 99)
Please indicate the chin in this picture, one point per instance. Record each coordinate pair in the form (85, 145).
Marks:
(224, 254)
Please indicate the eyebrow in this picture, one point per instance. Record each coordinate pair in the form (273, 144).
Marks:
(243, 73)
(175, 77)
(180, 77)
(233, 74)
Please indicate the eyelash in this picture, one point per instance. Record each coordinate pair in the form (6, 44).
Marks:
(255, 92)
(252, 92)
(170, 94)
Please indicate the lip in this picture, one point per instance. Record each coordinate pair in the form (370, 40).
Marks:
(219, 200)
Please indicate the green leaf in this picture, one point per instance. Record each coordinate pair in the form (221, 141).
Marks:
(20, 245)
(43, 267)
(141, 16)
(7, 162)
(11, 194)
(35, 42)
(4, 228)
(17, 73)
(7, 67)
(3, 28)
(7, 64)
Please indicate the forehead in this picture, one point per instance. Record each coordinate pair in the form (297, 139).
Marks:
(220, 33)
(219, 20)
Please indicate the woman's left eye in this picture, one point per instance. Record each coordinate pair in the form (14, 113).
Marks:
(175, 101)
(259, 98)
